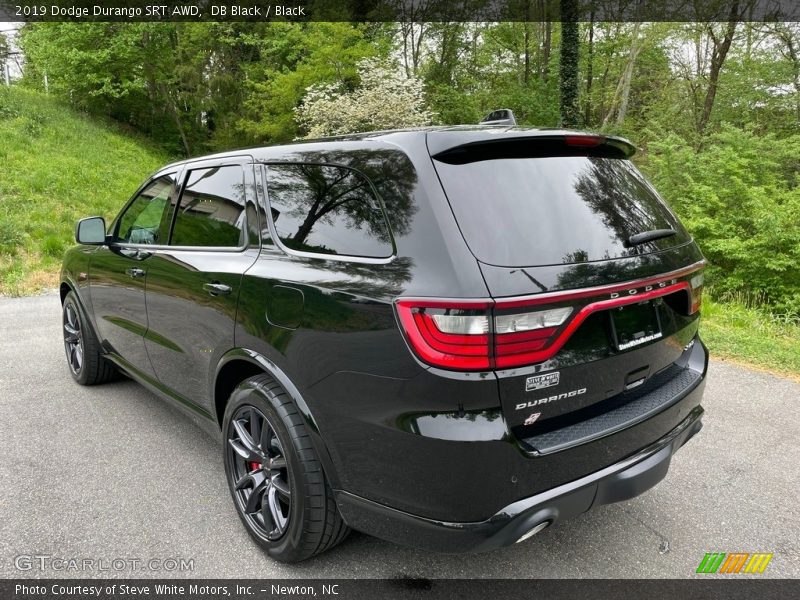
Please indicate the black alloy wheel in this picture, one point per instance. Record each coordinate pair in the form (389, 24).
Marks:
(73, 339)
(87, 364)
(275, 475)
(261, 473)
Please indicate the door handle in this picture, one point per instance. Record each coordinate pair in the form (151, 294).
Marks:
(215, 288)
(135, 272)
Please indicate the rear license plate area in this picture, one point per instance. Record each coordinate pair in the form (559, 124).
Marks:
(634, 325)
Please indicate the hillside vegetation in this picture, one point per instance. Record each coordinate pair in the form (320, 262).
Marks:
(57, 166)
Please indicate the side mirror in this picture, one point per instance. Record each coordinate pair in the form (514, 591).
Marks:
(91, 231)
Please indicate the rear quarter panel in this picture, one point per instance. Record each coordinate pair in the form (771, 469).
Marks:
(337, 338)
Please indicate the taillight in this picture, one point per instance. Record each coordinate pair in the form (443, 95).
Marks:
(527, 321)
(696, 292)
(478, 335)
(448, 335)
(458, 335)
(520, 336)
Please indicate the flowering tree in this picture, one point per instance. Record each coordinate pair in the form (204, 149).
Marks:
(386, 99)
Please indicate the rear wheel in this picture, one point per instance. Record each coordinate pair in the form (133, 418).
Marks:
(274, 474)
(86, 363)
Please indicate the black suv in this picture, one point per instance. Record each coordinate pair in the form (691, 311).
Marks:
(449, 338)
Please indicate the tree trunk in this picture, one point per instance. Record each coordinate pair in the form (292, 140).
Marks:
(717, 59)
(404, 33)
(548, 38)
(173, 108)
(587, 117)
(619, 102)
(568, 71)
(527, 36)
(794, 56)
(636, 47)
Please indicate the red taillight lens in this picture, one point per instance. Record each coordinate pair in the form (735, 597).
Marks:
(457, 336)
(520, 336)
(448, 335)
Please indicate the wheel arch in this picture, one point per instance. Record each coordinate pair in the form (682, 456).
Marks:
(65, 287)
(239, 364)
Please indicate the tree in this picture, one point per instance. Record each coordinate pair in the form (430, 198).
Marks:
(568, 70)
(5, 57)
(385, 99)
(295, 57)
(788, 35)
(619, 102)
(720, 48)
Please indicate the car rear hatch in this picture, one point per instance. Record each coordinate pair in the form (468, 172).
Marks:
(595, 285)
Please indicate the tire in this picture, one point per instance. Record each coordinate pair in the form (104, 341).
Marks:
(84, 358)
(275, 476)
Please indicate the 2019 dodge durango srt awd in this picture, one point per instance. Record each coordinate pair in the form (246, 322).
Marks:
(450, 337)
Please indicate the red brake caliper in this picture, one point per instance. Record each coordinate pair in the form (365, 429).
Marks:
(254, 466)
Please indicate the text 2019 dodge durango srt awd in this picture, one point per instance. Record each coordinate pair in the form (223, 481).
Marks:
(450, 338)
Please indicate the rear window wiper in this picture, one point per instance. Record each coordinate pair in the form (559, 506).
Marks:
(649, 236)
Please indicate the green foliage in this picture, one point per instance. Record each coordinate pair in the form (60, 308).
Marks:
(8, 108)
(11, 238)
(731, 172)
(739, 196)
(300, 56)
(72, 168)
(52, 245)
(196, 86)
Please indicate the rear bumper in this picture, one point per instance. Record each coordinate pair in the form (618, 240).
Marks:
(622, 480)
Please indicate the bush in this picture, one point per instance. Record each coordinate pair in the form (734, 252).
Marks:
(52, 245)
(32, 125)
(385, 99)
(740, 199)
(7, 108)
(11, 238)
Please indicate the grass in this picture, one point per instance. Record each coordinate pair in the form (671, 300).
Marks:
(57, 166)
(752, 337)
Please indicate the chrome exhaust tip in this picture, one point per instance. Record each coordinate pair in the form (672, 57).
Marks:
(533, 531)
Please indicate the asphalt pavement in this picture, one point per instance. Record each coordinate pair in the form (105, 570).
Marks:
(112, 475)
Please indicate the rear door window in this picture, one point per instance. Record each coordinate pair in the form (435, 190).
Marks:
(520, 212)
(326, 209)
(211, 212)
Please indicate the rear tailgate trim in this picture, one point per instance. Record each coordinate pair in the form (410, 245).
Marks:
(658, 393)
(591, 292)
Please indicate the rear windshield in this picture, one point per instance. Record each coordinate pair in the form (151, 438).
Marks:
(554, 210)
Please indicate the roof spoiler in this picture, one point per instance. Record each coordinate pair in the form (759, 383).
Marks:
(502, 116)
(532, 146)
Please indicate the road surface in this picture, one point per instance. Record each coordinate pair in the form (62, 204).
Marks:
(111, 472)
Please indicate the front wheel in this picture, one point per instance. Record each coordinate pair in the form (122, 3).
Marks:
(275, 476)
(86, 363)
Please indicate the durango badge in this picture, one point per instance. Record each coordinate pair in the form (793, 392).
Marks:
(532, 403)
(537, 382)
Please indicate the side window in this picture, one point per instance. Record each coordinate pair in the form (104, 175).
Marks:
(211, 211)
(146, 220)
(327, 210)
